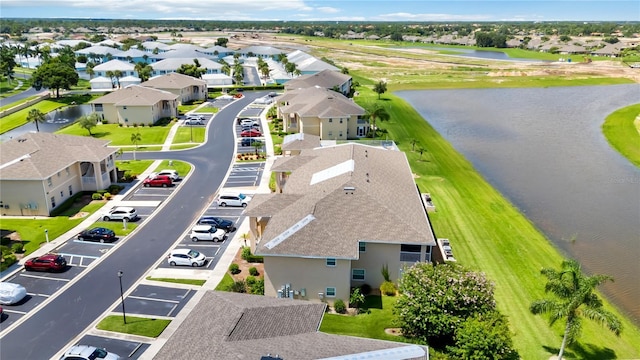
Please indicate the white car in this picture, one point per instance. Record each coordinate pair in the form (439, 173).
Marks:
(86, 352)
(121, 213)
(170, 173)
(207, 232)
(186, 257)
(11, 293)
(249, 122)
(233, 199)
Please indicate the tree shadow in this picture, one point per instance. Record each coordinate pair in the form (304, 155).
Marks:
(372, 302)
(100, 134)
(584, 351)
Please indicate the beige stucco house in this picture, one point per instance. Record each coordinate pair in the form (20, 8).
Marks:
(186, 87)
(343, 212)
(322, 112)
(328, 79)
(136, 104)
(39, 171)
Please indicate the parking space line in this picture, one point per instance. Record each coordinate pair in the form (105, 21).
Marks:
(153, 299)
(35, 294)
(14, 311)
(43, 277)
(204, 245)
(217, 251)
(80, 256)
(172, 310)
(93, 243)
(210, 261)
(186, 293)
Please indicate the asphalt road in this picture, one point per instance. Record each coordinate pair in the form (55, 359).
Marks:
(61, 320)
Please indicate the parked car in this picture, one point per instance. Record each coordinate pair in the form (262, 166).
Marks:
(248, 122)
(233, 199)
(11, 293)
(187, 257)
(86, 352)
(207, 232)
(121, 213)
(173, 174)
(157, 180)
(193, 122)
(98, 234)
(249, 141)
(194, 116)
(220, 223)
(47, 262)
(250, 133)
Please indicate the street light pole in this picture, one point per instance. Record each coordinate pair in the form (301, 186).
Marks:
(124, 314)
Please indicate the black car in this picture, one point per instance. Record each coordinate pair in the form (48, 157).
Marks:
(220, 223)
(248, 141)
(98, 234)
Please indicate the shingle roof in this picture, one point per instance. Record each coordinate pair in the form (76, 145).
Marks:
(113, 65)
(260, 50)
(173, 81)
(325, 78)
(99, 50)
(307, 63)
(135, 95)
(173, 64)
(319, 102)
(300, 141)
(181, 53)
(341, 186)
(37, 156)
(229, 326)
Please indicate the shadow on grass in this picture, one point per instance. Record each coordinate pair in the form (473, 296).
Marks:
(583, 351)
(100, 134)
(372, 302)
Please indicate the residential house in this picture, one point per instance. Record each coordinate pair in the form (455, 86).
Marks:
(226, 325)
(322, 112)
(125, 68)
(172, 65)
(155, 46)
(186, 87)
(260, 51)
(136, 104)
(39, 171)
(99, 53)
(339, 215)
(293, 144)
(308, 64)
(328, 79)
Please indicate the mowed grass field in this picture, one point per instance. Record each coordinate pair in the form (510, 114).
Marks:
(622, 130)
(490, 235)
(119, 135)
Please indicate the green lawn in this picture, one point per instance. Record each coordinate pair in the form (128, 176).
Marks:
(182, 146)
(183, 168)
(9, 88)
(136, 167)
(226, 283)
(19, 118)
(489, 234)
(184, 133)
(121, 135)
(135, 325)
(179, 281)
(16, 103)
(116, 226)
(207, 110)
(622, 130)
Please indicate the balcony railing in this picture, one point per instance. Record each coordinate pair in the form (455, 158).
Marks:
(409, 256)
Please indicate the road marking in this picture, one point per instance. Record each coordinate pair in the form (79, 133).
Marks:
(172, 310)
(14, 311)
(80, 256)
(153, 299)
(93, 243)
(210, 261)
(203, 245)
(34, 294)
(42, 277)
(217, 251)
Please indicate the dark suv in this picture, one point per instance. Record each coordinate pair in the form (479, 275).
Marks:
(98, 234)
(47, 262)
(219, 223)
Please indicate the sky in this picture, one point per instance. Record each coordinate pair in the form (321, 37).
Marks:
(328, 10)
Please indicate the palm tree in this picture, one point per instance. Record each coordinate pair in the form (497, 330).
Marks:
(89, 69)
(135, 138)
(378, 113)
(576, 299)
(117, 74)
(36, 116)
(110, 75)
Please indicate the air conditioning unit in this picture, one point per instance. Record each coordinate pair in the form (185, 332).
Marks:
(320, 295)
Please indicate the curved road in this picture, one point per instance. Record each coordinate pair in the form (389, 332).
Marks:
(46, 332)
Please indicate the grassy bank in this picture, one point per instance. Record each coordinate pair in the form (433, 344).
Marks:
(622, 130)
(121, 135)
(489, 234)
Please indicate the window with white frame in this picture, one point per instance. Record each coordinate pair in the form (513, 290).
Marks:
(70, 190)
(331, 262)
(357, 274)
(330, 292)
(53, 201)
(362, 246)
(49, 182)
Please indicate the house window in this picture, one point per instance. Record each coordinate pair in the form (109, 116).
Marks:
(331, 262)
(340, 121)
(330, 133)
(53, 201)
(362, 246)
(58, 173)
(330, 120)
(330, 292)
(68, 171)
(357, 274)
(49, 182)
(61, 194)
(410, 253)
(70, 190)
(340, 133)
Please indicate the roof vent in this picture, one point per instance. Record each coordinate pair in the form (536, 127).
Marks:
(349, 189)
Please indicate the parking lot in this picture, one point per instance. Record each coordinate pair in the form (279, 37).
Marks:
(125, 349)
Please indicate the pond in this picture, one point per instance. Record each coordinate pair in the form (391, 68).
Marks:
(54, 121)
(481, 54)
(544, 150)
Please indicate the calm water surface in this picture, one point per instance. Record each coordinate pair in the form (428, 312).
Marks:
(53, 121)
(544, 150)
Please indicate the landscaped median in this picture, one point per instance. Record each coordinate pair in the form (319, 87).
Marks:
(142, 326)
(492, 236)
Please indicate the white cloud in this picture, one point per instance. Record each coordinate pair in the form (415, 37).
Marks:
(403, 16)
(328, 10)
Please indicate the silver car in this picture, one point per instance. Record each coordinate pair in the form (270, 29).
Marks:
(11, 293)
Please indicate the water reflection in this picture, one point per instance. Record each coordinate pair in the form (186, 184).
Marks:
(53, 121)
(544, 150)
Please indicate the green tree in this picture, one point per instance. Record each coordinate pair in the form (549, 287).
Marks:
(484, 336)
(194, 70)
(36, 116)
(290, 67)
(117, 74)
(89, 69)
(135, 139)
(575, 299)
(434, 300)
(380, 88)
(257, 145)
(144, 70)
(7, 62)
(54, 75)
(221, 41)
(378, 113)
(356, 299)
(88, 122)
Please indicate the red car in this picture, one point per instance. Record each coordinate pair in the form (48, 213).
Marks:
(47, 262)
(158, 180)
(251, 133)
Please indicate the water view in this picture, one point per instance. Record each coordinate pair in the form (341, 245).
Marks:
(53, 121)
(544, 150)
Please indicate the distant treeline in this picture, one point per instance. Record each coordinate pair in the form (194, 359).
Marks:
(18, 27)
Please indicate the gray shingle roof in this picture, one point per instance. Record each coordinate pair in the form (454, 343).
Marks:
(241, 326)
(326, 79)
(318, 102)
(173, 81)
(37, 156)
(361, 185)
(135, 95)
(300, 141)
(173, 64)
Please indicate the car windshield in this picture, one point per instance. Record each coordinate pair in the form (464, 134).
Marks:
(194, 253)
(98, 354)
(242, 196)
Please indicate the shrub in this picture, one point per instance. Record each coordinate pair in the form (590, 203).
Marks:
(239, 287)
(8, 260)
(234, 268)
(120, 124)
(115, 189)
(246, 255)
(388, 288)
(250, 280)
(365, 289)
(339, 306)
(105, 122)
(107, 196)
(96, 196)
(356, 299)
(258, 287)
(253, 271)
(385, 272)
(17, 247)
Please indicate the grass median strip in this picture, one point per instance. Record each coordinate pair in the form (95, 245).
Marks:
(142, 326)
(196, 282)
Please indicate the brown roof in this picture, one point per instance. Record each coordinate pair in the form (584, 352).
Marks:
(326, 79)
(173, 81)
(341, 186)
(300, 141)
(37, 156)
(225, 325)
(318, 102)
(134, 95)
